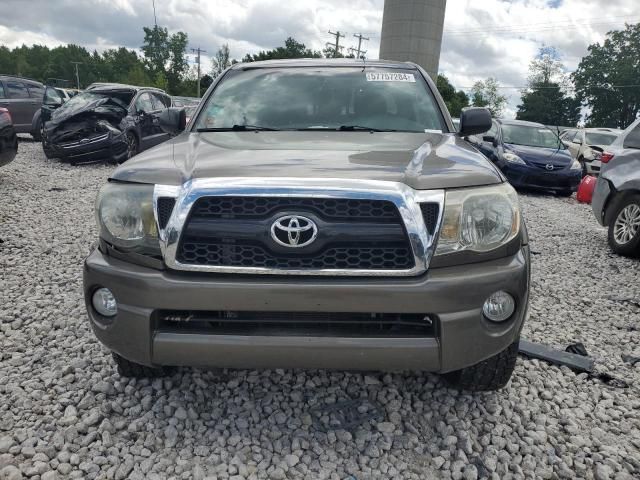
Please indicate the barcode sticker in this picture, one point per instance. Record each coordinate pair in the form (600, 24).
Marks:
(390, 77)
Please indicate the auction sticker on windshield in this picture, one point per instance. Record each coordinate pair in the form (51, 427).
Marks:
(390, 77)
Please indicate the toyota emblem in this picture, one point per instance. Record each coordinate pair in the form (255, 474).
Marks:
(294, 231)
(549, 167)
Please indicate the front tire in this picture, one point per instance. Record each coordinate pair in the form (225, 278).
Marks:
(624, 227)
(490, 374)
(130, 369)
(132, 145)
(37, 132)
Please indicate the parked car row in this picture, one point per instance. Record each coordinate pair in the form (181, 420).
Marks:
(587, 144)
(107, 121)
(530, 155)
(616, 199)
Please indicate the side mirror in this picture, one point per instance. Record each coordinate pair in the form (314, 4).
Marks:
(172, 120)
(474, 121)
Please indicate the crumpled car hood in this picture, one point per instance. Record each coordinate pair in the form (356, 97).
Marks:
(80, 119)
(420, 160)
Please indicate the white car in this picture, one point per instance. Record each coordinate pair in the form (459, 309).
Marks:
(587, 144)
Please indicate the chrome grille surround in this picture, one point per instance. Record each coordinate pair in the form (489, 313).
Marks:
(406, 199)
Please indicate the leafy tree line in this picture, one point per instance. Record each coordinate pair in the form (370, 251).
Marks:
(605, 85)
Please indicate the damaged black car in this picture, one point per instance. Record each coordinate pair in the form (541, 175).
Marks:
(106, 122)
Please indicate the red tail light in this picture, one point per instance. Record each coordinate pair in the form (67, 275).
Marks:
(606, 157)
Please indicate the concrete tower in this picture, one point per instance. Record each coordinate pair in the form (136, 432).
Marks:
(412, 31)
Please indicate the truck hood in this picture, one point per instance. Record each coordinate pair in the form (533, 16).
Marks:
(419, 160)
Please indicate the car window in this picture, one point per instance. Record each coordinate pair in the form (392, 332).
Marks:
(569, 135)
(144, 103)
(17, 90)
(323, 98)
(2, 90)
(36, 91)
(160, 101)
(52, 96)
(597, 138)
(632, 140)
(578, 137)
(493, 131)
(531, 136)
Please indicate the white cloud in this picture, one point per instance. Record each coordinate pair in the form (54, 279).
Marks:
(490, 38)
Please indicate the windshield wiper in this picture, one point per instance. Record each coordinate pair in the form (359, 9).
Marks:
(237, 128)
(353, 128)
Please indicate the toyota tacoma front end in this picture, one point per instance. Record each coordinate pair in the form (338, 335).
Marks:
(349, 227)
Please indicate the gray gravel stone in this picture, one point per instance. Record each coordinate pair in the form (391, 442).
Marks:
(66, 412)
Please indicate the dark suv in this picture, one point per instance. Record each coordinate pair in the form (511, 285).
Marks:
(108, 121)
(23, 98)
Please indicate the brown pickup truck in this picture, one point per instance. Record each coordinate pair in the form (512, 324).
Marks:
(313, 214)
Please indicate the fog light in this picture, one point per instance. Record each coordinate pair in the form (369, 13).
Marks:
(499, 306)
(104, 302)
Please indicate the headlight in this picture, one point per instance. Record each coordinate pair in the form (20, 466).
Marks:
(125, 217)
(479, 219)
(513, 158)
(575, 165)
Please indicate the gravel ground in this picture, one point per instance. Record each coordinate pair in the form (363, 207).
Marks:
(64, 413)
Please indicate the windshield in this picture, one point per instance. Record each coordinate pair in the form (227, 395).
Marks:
(322, 98)
(593, 138)
(531, 136)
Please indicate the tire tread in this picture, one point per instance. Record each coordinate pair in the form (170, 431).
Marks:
(490, 374)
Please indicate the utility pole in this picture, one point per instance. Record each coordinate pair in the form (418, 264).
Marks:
(198, 51)
(336, 46)
(77, 75)
(360, 39)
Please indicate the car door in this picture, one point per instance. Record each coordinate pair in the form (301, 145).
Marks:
(19, 104)
(144, 120)
(160, 103)
(488, 141)
(575, 146)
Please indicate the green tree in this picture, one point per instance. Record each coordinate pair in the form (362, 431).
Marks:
(455, 100)
(156, 49)
(606, 79)
(545, 99)
(220, 61)
(178, 64)
(485, 94)
(291, 49)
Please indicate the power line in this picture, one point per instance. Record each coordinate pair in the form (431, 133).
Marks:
(513, 31)
(337, 46)
(198, 51)
(360, 38)
(565, 20)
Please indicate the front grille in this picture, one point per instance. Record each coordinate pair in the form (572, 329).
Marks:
(364, 324)
(165, 208)
(353, 234)
(430, 213)
(234, 255)
(334, 209)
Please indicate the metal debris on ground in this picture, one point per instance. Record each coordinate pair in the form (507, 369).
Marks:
(577, 348)
(630, 359)
(578, 363)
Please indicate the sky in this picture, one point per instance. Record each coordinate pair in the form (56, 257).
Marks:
(481, 38)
